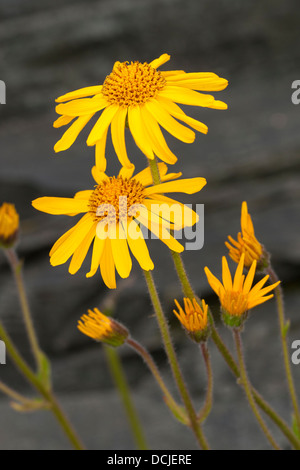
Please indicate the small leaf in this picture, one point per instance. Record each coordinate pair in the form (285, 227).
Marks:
(286, 328)
(295, 427)
(44, 373)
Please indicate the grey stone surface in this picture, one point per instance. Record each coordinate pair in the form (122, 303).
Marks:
(250, 153)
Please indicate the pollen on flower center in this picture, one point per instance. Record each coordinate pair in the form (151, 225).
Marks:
(114, 197)
(132, 83)
(235, 302)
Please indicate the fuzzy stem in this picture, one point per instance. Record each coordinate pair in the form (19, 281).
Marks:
(16, 267)
(248, 389)
(169, 400)
(204, 412)
(118, 375)
(164, 329)
(283, 334)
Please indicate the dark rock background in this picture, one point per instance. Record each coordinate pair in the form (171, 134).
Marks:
(250, 153)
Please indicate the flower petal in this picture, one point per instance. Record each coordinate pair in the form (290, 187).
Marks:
(138, 246)
(60, 205)
(71, 243)
(138, 133)
(102, 124)
(82, 92)
(188, 186)
(71, 134)
(62, 121)
(81, 251)
(120, 250)
(96, 256)
(100, 146)
(82, 106)
(118, 136)
(160, 61)
(186, 96)
(107, 266)
(170, 124)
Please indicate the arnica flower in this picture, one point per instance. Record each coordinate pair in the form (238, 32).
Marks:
(193, 318)
(98, 326)
(247, 243)
(9, 225)
(113, 212)
(143, 98)
(238, 296)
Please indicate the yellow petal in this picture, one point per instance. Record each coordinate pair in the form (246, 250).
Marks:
(249, 278)
(118, 136)
(62, 121)
(127, 172)
(138, 133)
(160, 61)
(60, 205)
(214, 283)
(156, 137)
(61, 240)
(160, 232)
(176, 112)
(99, 176)
(107, 266)
(71, 134)
(82, 106)
(138, 246)
(188, 186)
(170, 124)
(82, 92)
(96, 256)
(226, 276)
(81, 251)
(217, 105)
(186, 96)
(100, 146)
(102, 124)
(120, 251)
(70, 244)
(238, 274)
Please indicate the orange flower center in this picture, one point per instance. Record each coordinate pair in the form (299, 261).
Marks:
(113, 198)
(131, 84)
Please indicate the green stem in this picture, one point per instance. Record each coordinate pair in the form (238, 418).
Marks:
(164, 329)
(283, 334)
(248, 389)
(258, 398)
(204, 412)
(174, 407)
(118, 375)
(13, 394)
(47, 394)
(16, 267)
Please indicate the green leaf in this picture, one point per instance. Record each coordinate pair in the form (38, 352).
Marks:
(286, 328)
(295, 427)
(44, 372)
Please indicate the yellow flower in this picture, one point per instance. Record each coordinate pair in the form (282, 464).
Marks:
(193, 318)
(139, 96)
(114, 211)
(9, 225)
(102, 328)
(247, 243)
(237, 296)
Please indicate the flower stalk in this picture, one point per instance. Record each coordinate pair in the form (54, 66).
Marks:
(248, 390)
(164, 329)
(283, 335)
(119, 378)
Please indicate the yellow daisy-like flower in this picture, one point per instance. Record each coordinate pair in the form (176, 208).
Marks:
(9, 225)
(140, 96)
(193, 318)
(238, 296)
(247, 243)
(98, 326)
(113, 213)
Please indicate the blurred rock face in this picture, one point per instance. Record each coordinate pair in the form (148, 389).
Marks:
(250, 153)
